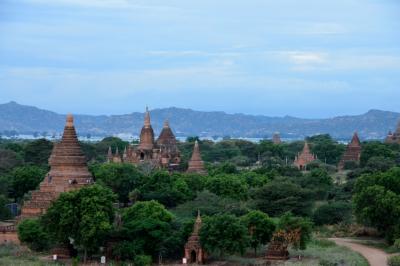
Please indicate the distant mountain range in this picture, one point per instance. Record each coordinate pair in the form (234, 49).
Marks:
(374, 124)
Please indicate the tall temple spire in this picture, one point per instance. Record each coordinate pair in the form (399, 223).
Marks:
(196, 164)
(352, 153)
(147, 118)
(166, 123)
(194, 252)
(147, 133)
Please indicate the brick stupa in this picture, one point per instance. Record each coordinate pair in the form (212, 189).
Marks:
(304, 158)
(196, 164)
(194, 253)
(68, 171)
(276, 138)
(353, 152)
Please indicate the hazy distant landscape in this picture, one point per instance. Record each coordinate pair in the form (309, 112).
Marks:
(23, 119)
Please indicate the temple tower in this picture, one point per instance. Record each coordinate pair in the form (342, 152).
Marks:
(147, 133)
(276, 138)
(394, 137)
(68, 171)
(196, 164)
(170, 154)
(194, 253)
(304, 158)
(352, 153)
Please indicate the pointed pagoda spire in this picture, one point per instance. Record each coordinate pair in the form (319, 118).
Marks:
(355, 141)
(197, 224)
(166, 123)
(116, 152)
(196, 164)
(109, 155)
(147, 122)
(125, 154)
(147, 133)
(304, 158)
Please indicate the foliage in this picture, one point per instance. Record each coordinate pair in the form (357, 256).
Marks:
(325, 148)
(280, 196)
(24, 179)
(167, 189)
(318, 181)
(332, 213)
(210, 204)
(8, 160)
(149, 224)
(32, 233)
(289, 222)
(377, 196)
(120, 178)
(85, 215)
(224, 234)
(260, 228)
(38, 152)
(228, 185)
(375, 149)
(394, 261)
(4, 211)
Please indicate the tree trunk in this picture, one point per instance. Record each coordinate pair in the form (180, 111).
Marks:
(85, 256)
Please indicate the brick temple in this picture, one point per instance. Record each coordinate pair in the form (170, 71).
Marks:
(194, 253)
(304, 157)
(276, 138)
(394, 137)
(162, 152)
(68, 171)
(352, 153)
(196, 164)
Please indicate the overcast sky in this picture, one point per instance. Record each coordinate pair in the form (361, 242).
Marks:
(307, 58)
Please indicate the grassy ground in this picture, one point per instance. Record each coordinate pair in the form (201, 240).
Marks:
(11, 255)
(327, 253)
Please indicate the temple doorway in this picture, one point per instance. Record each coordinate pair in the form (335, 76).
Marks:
(193, 257)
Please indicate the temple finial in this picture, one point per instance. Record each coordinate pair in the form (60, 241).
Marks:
(70, 120)
(166, 123)
(147, 117)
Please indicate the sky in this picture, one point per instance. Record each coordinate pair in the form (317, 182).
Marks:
(307, 58)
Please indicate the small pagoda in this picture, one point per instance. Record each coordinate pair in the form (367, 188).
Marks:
(194, 253)
(68, 171)
(304, 157)
(394, 137)
(276, 138)
(196, 164)
(353, 152)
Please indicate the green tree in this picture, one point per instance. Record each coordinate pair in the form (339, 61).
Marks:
(8, 160)
(38, 152)
(260, 228)
(121, 178)
(280, 196)
(167, 189)
(32, 233)
(318, 181)
(231, 186)
(24, 179)
(326, 148)
(375, 149)
(149, 224)
(4, 211)
(332, 213)
(85, 215)
(224, 234)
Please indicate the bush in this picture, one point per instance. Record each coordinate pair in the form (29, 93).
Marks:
(332, 213)
(31, 232)
(142, 260)
(394, 261)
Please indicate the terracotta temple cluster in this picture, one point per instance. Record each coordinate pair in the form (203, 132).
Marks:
(394, 137)
(160, 153)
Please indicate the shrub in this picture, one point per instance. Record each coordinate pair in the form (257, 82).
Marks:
(31, 232)
(332, 213)
(394, 261)
(142, 260)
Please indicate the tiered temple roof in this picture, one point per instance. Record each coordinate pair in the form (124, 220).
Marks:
(68, 171)
(394, 137)
(196, 164)
(353, 152)
(304, 158)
